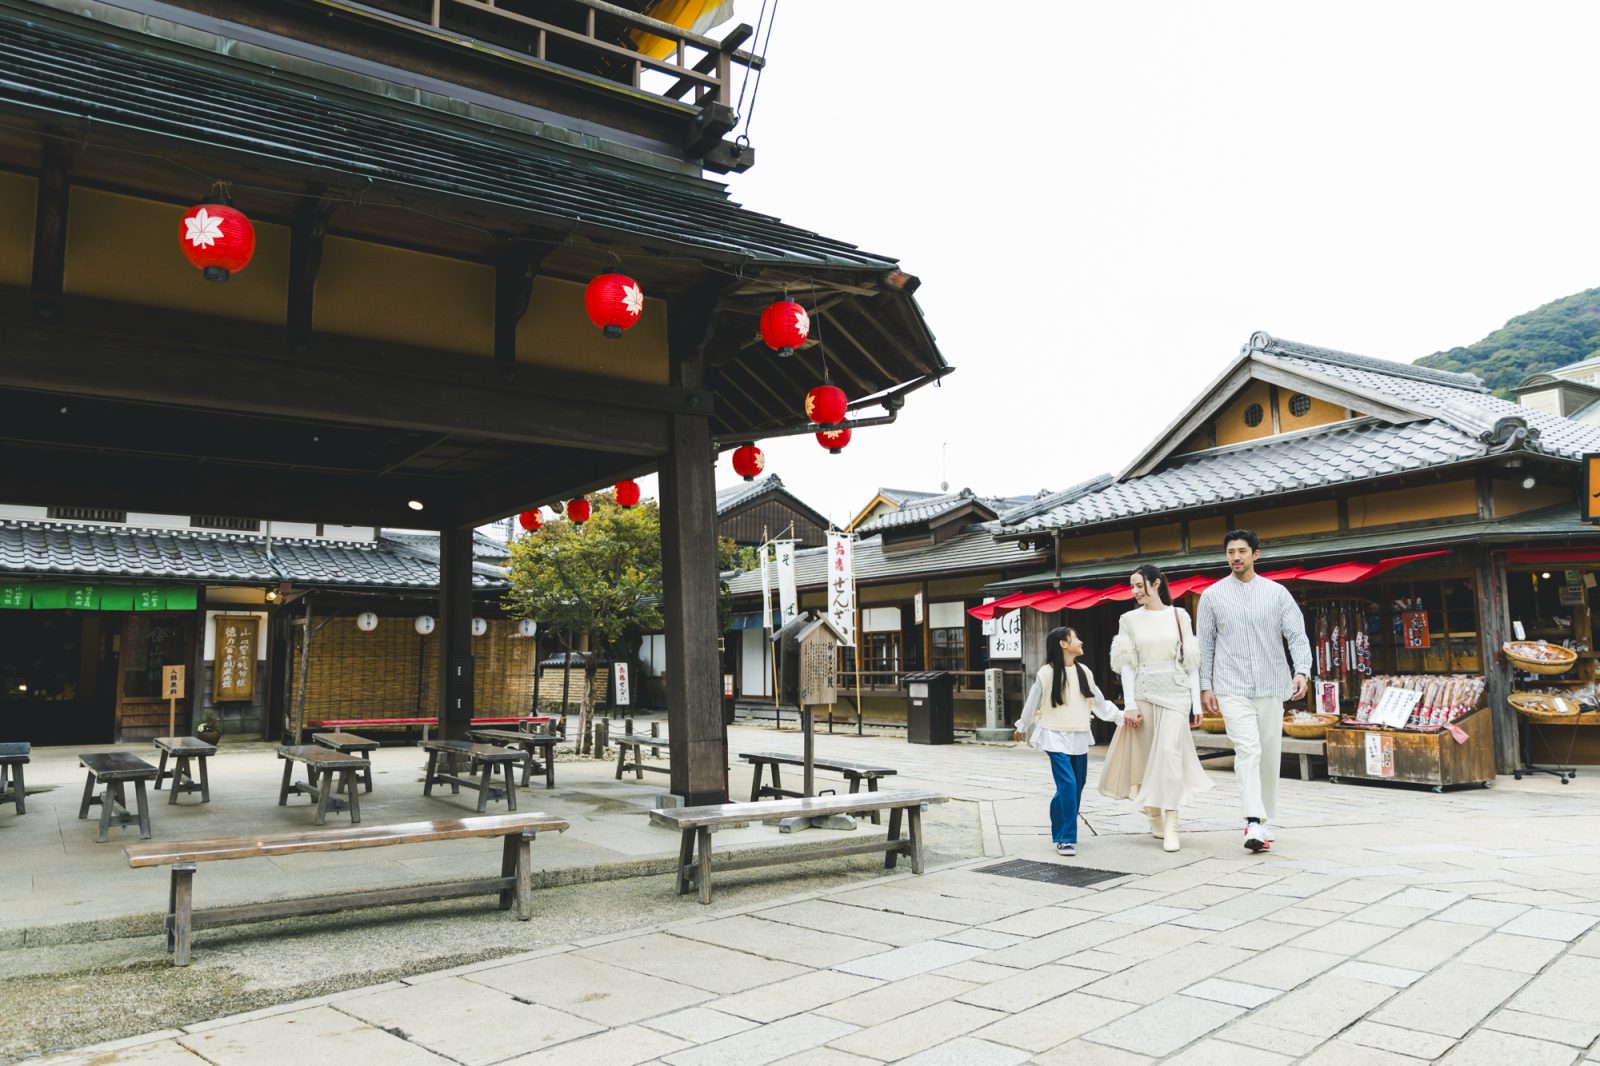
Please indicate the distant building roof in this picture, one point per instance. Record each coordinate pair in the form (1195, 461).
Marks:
(930, 507)
(970, 550)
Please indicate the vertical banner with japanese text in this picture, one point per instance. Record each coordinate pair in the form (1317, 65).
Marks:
(766, 591)
(788, 598)
(842, 585)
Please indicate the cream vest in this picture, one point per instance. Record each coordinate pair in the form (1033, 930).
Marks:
(1073, 714)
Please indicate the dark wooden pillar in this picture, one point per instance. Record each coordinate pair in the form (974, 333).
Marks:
(689, 614)
(455, 632)
(1494, 629)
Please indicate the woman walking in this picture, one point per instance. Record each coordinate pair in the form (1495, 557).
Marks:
(1152, 759)
(1055, 719)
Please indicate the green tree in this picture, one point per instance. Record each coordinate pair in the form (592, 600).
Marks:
(1561, 332)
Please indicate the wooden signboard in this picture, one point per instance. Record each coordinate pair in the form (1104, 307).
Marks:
(172, 692)
(818, 668)
(1589, 508)
(234, 670)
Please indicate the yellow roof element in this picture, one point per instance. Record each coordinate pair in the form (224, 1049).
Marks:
(696, 16)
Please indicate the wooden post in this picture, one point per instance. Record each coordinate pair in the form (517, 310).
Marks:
(305, 669)
(810, 786)
(455, 633)
(1494, 629)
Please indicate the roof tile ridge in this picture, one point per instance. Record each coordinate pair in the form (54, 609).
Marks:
(1262, 341)
(1057, 499)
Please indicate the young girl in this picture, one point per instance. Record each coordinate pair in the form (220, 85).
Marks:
(1055, 719)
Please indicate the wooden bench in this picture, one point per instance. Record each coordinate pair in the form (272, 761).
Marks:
(323, 763)
(112, 771)
(1220, 746)
(638, 743)
(483, 759)
(13, 757)
(340, 724)
(854, 772)
(540, 748)
(696, 824)
(182, 749)
(350, 744)
(513, 884)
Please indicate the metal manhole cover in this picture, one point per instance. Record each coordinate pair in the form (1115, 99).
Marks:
(1054, 873)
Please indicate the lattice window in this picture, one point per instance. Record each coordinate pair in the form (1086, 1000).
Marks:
(89, 514)
(1253, 415)
(238, 525)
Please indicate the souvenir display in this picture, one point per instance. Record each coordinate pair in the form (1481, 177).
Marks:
(1440, 700)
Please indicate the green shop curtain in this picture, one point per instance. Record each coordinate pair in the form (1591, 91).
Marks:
(15, 597)
(117, 598)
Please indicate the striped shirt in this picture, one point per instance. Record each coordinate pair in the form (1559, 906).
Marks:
(1244, 626)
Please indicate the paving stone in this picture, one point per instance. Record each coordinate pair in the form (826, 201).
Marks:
(593, 990)
(1054, 946)
(1347, 1053)
(917, 1031)
(1588, 944)
(1048, 1024)
(764, 1044)
(1250, 1033)
(1147, 915)
(894, 999)
(1577, 1034)
(1283, 967)
(316, 1034)
(1424, 899)
(1152, 941)
(1213, 1052)
(1202, 920)
(1096, 959)
(1028, 988)
(1305, 917)
(796, 995)
(1250, 906)
(977, 972)
(1398, 1039)
(968, 1051)
(825, 1056)
(1083, 1053)
(1041, 921)
(1451, 1000)
(1488, 1048)
(1524, 954)
(1113, 900)
(1393, 976)
(1550, 924)
(627, 1046)
(909, 961)
(691, 962)
(1481, 912)
(1424, 946)
(1323, 1006)
(1165, 1026)
(467, 1022)
(984, 938)
(145, 1053)
(925, 903)
(1343, 937)
(1162, 976)
(1240, 995)
(1255, 935)
(1566, 989)
(863, 922)
(778, 940)
(700, 1025)
(1390, 916)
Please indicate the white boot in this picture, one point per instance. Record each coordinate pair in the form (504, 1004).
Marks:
(1157, 827)
(1169, 837)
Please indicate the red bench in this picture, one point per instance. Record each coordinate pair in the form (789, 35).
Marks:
(425, 723)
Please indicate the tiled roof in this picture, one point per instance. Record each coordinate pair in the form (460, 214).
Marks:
(974, 549)
(738, 495)
(925, 509)
(901, 497)
(61, 549)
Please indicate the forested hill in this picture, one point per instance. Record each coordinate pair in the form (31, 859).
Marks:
(1564, 331)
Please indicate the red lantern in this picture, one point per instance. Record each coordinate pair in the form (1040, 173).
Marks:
(614, 303)
(748, 461)
(217, 238)
(627, 493)
(578, 510)
(834, 439)
(530, 520)
(826, 404)
(785, 326)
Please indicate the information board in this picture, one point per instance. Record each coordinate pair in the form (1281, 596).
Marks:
(234, 669)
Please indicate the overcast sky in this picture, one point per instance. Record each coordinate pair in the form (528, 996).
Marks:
(1103, 201)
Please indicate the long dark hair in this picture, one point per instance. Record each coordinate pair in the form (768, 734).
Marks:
(1152, 574)
(1057, 660)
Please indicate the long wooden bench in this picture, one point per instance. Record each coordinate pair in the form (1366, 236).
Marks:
(854, 772)
(696, 824)
(13, 757)
(637, 743)
(512, 886)
(342, 724)
(1220, 746)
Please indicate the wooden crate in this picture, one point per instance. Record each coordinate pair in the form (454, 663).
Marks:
(1433, 759)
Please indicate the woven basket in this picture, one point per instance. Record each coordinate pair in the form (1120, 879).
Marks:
(1537, 705)
(1308, 730)
(1517, 652)
(1213, 723)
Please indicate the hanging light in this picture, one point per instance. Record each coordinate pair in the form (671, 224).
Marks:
(785, 326)
(826, 404)
(834, 439)
(217, 238)
(479, 627)
(424, 624)
(578, 510)
(530, 520)
(748, 461)
(627, 493)
(527, 627)
(614, 303)
(366, 621)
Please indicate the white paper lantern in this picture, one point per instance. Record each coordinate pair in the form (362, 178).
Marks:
(479, 627)
(528, 628)
(366, 621)
(424, 624)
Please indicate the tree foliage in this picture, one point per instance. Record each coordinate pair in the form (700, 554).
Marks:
(1561, 332)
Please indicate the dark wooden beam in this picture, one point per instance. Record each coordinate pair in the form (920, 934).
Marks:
(866, 353)
(306, 237)
(455, 632)
(50, 229)
(556, 474)
(513, 290)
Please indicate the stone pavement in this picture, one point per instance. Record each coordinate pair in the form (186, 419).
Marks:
(1386, 926)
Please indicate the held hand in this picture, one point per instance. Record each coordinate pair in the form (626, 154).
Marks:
(1208, 700)
(1016, 736)
(1299, 687)
(1194, 720)
(1134, 719)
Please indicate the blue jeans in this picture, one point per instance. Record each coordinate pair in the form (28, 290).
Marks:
(1071, 774)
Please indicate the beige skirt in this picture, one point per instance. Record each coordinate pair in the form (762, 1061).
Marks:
(1154, 765)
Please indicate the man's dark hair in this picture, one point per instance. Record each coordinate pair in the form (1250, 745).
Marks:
(1242, 534)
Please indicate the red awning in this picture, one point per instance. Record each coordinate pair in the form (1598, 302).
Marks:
(1348, 573)
(1007, 604)
(1552, 555)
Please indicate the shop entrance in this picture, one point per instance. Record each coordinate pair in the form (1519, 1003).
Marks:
(58, 676)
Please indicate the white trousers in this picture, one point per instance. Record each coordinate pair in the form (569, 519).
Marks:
(1255, 725)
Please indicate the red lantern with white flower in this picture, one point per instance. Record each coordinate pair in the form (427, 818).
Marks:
(614, 303)
(834, 439)
(578, 510)
(530, 520)
(785, 326)
(217, 238)
(748, 461)
(826, 404)
(627, 493)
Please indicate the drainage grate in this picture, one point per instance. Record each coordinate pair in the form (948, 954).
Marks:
(1053, 872)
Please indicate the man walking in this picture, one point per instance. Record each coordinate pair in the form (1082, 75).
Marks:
(1245, 621)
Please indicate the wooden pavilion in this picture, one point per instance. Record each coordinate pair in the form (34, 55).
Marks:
(432, 184)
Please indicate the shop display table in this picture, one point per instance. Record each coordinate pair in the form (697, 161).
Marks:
(1433, 758)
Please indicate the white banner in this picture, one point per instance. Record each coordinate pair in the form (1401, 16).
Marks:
(842, 584)
(766, 590)
(989, 624)
(621, 691)
(788, 599)
(1006, 640)
(916, 607)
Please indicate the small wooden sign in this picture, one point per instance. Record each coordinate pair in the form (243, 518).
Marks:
(172, 683)
(234, 668)
(1589, 507)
